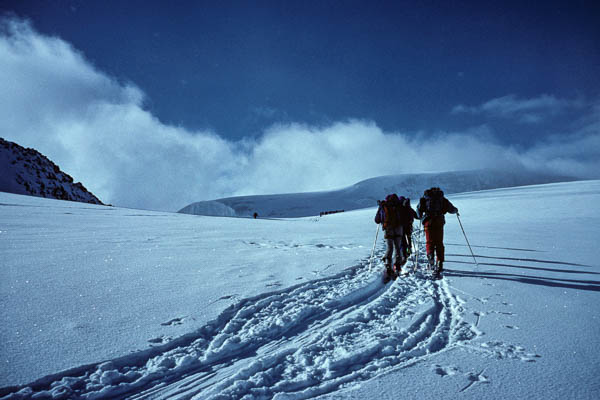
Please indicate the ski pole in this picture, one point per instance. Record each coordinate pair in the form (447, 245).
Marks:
(418, 242)
(373, 250)
(468, 244)
(416, 251)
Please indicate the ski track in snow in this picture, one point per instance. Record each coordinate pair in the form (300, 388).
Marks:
(270, 244)
(310, 339)
(315, 338)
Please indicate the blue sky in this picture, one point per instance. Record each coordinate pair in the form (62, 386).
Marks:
(403, 65)
(523, 77)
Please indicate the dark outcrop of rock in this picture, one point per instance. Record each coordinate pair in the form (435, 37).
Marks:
(27, 171)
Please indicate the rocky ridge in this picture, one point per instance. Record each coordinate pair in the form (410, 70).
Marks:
(27, 171)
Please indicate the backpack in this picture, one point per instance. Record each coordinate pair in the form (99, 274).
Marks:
(410, 216)
(434, 202)
(394, 211)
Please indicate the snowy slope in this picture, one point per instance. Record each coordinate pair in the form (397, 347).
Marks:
(290, 308)
(366, 193)
(26, 171)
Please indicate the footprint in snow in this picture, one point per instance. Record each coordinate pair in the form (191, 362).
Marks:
(475, 378)
(478, 314)
(445, 371)
(482, 300)
(160, 340)
(502, 313)
(529, 357)
(226, 297)
(174, 321)
(500, 351)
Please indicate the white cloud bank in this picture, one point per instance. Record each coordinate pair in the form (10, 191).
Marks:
(96, 129)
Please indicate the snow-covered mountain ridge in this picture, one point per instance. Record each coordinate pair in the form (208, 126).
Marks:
(365, 194)
(27, 171)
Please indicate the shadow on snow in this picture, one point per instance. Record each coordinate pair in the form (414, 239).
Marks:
(532, 280)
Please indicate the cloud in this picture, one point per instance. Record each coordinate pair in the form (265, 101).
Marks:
(296, 157)
(96, 128)
(574, 154)
(529, 111)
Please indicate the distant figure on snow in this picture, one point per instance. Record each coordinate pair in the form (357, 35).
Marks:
(255, 215)
(394, 216)
(431, 209)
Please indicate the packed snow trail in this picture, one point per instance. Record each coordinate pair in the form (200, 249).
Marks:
(304, 341)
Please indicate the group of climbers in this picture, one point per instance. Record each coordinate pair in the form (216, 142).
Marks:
(397, 216)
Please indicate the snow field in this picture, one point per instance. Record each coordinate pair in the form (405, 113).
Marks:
(301, 342)
(86, 283)
(291, 310)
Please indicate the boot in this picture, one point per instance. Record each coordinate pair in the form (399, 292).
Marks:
(389, 271)
(431, 259)
(397, 270)
(437, 273)
(400, 263)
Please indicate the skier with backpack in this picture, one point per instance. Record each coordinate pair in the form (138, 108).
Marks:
(393, 216)
(408, 226)
(431, 209)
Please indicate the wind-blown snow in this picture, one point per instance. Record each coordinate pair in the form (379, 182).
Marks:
(159, 305)
(365, 194)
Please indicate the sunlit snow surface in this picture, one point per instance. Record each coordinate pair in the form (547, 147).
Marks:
(143, 304)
